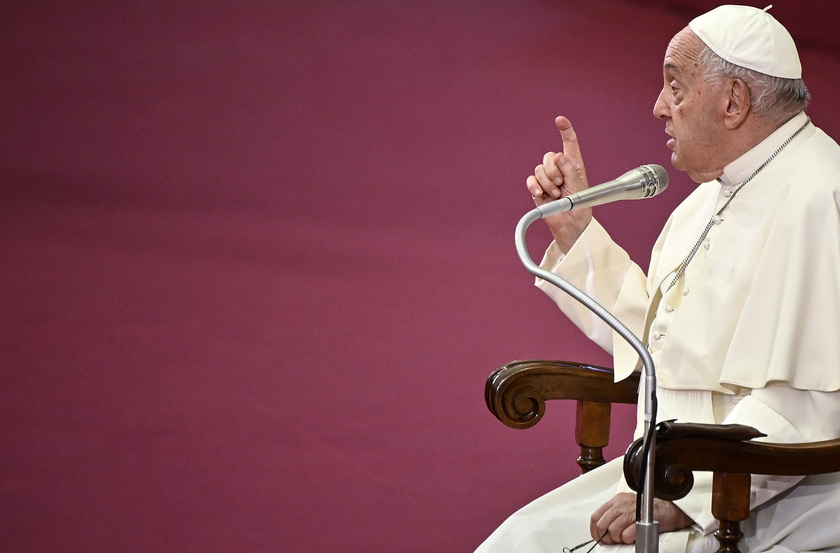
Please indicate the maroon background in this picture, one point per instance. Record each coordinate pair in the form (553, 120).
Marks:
(257, 259)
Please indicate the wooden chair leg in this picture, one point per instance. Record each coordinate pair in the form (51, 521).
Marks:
(730, 505)
(592, 433)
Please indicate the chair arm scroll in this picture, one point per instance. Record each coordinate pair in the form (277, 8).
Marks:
(724, 449)
(516, 392)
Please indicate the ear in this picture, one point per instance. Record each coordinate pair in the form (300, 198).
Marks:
(738, 104)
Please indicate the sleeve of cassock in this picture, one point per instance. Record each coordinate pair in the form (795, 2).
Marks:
(600, 268)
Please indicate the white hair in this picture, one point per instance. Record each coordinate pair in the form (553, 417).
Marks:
(771, 97)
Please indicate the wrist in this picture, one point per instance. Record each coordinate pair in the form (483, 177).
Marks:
(567, 229)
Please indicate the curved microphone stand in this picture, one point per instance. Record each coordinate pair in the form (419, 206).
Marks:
(647, 530)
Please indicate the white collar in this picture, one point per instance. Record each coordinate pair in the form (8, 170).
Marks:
(739, 170)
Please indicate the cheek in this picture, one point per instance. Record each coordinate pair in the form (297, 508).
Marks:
(682, 123)
(689, 123)
(689, 133)
(683, 112)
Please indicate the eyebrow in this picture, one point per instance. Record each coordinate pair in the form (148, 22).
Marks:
(672, 66)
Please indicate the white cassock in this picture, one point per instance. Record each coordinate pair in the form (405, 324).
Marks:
(750, 335)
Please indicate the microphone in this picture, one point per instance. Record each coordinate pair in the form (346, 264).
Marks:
(644, 182)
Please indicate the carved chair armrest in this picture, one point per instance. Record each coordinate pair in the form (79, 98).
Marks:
(516, 394)
(726, 451)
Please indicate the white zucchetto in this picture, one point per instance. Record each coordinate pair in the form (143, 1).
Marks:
(751, 38)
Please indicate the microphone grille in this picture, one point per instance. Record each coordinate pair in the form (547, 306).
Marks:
(656, 179)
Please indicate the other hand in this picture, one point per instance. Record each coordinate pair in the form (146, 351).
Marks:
(615, 520)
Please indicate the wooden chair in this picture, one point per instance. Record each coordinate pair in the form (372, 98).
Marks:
(516, 394)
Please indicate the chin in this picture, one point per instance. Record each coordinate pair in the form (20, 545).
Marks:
(675, 161)
(696, 176)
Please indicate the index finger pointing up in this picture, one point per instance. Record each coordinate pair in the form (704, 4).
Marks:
(571, 147)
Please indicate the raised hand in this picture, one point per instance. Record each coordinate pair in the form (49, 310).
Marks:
(559, 175)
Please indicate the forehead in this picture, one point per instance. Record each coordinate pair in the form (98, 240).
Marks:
(683, 53)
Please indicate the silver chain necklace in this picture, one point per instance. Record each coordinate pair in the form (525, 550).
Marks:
(716, 216)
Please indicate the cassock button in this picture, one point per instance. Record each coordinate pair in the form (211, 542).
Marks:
(717, 219)
(669, 308)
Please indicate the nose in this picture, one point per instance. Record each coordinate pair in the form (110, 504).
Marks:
(660, 108)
